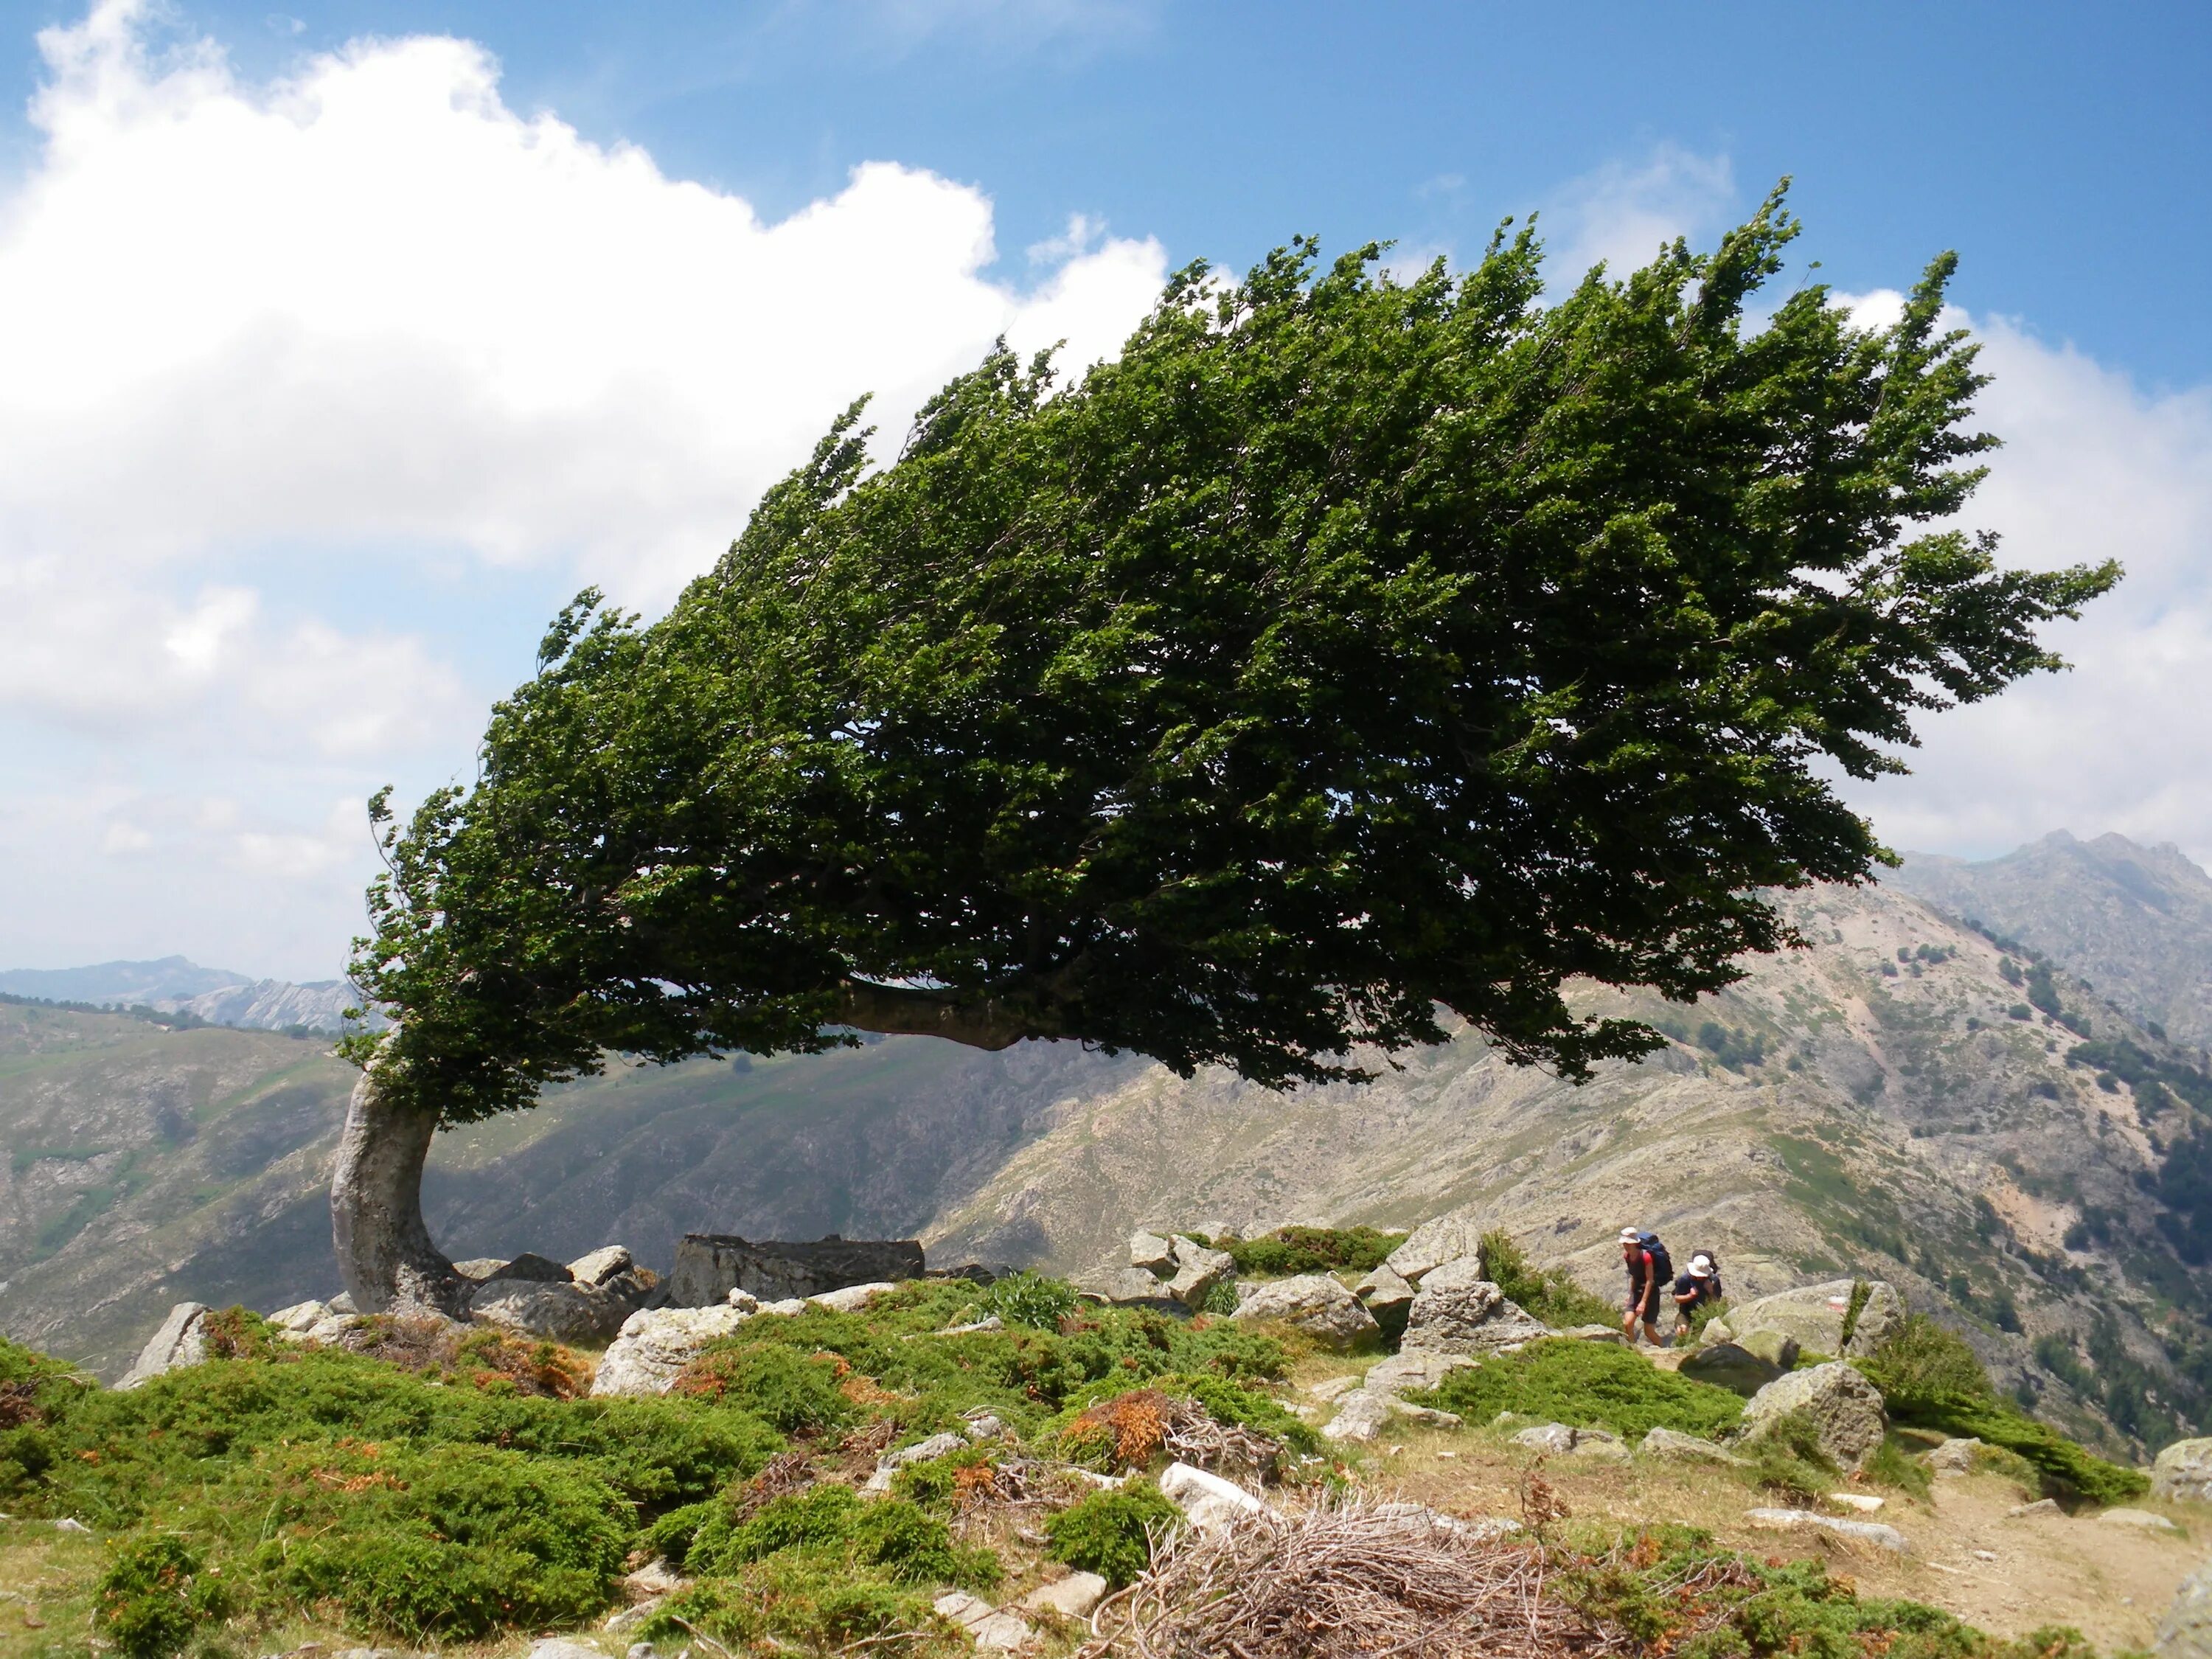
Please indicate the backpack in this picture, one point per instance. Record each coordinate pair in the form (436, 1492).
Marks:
(1662, 1265)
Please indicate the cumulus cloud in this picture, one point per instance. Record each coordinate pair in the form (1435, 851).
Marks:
(1620, 215)
(366, 313)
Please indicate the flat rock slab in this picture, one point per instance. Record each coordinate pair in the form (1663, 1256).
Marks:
(1844, 1407)
(1434, 1242)
(1875, 1533)
(1071, 1597)
(987, 1624)
(1207, 1501)
(1408, 1372)
(1679, 1448)
(1313, 1303)
(561, 1647)
(180, 1342)
(2141, 1520)
(657, 1343)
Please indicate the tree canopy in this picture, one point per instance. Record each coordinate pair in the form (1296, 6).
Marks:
(1348, 650)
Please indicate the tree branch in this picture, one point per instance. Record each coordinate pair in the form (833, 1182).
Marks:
(898, 1011)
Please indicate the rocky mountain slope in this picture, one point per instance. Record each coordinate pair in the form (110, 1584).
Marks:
(1881, 1102)
(176, 985)
(2136, 922)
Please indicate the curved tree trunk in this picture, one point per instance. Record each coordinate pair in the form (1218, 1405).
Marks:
(384, 1249)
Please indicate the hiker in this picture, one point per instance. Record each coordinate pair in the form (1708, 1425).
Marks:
(1645, 1258)
(1699, 1287)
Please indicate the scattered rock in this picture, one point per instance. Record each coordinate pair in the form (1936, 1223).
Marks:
(342, 1303)
(1313, 1303)
(2184, 1470)
(2141, 1520)
(1359, 1416)
(1555, 1438)
(787, 1307)
(1408, 1372)
(1596, 1334)
(608, 1262)
(1127, 1286)
(1679, 1448)
(2041, 1506)
(989, 1627)
(1198, 1270)
(1778, 1348)
(1728, 1365)
(851, 1299)
(1864, 1501)
(1456, 1310)
(1427, 1414)
(1841, 1403)
(1208, 1501)
(1814, 1313)
(988, 1322)
(1382, 1289)
(1985, 1555)
(2185, 1632)
(480, 1268)
(1071, 1597)
(922, 1451)
(1332, 1386)
(1151, 1253)
(655, 1578)
(630, 1617)
(656, 1343)
(746, 1300)
(560, 1311)
(1865, 1532)
(300, 1318)
(1954, 1457)
(1433, 1243)
(982, 1423)
(70, 1523)
(532, 1269)
(180, 1342)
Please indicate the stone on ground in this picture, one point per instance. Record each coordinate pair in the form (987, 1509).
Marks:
(985, 1624)
(1434, 1242)
(1728, 1365)
(1865, 1532)
(1814, 1313)
(2185, 1632)
(601, 1265)
(561, 1310)
(1359, 1416)
(1124, 1285)
(561, 1647)
(533, 1269)
(1843, 1408)
(2028, 1511)
(1679, 1448)
(1152, 1254)
(1198, 1270)
(1313, 1303)
(1778, 1348)
(1864, 1501)
(1555, 1438)
(1408, 1372)
(2140, 1520)
(1383, 1289)
(851, 1299)
(1071, 1597)
(2184, 1470)
(1456, 1310)
(181, 1341)
(1954, 1457)
(1207, 1501)
(657, 1343)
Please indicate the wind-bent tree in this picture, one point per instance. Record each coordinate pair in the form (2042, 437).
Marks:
(1345, 652)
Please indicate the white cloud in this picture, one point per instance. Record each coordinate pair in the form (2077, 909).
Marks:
(2092, 467)
(366, 316)
(1623, 213)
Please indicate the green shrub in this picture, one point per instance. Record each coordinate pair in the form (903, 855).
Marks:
(1922, 1362)
(1108, 1532)
(792, 1392)
(1030, 1300)
(1224, 1402)
(154, 1596)
(1310, 1250)
(812, 1598)
(1586, 1385)
(1893, 1465)
(1787, 1458)
(896, 1538)
(1553, 1296)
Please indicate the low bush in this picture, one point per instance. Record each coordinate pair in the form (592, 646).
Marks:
(1586, 1385)
(1030, 1300)
(1552, 1297)
(1310, 1250)
(812, 1598)
(889, 1538)
(155, 1596)
(792, 1392)
(1109, 1533)
(1929, 1378)
(1787, 1459)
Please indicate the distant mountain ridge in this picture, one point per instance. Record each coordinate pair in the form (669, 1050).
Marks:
(173, 985)
(2136, 921)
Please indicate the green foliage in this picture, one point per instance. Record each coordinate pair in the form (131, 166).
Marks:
(1030, 1300)
(1859, 1291)
(1310, 1250)
(1893, 1464)
(1553, 1296)
(1787, 1458)
(793, 1392)
(154, 1596)
(1222, 705)
(889, 1537)
(1586, 1385)
(1922, 1364)
(1109, 1533)
(816, 1599)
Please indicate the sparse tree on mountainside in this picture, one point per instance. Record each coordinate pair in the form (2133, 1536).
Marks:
(1345, 653)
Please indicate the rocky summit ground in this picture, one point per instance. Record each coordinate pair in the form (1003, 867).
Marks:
(1904, 1097)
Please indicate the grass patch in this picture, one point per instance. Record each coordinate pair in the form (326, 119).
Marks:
(1552, 1297)
(1586, 1385)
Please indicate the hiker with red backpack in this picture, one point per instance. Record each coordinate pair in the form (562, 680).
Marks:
(1651, 1274)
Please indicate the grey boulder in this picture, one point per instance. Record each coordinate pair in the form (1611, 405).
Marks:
(1405, 1372)
(656, 1344)
(1456, 1310)
(1864, 1532)
(1729, 1365)
(1814, 1313)
(2185, 1632)
(2184, 1470)
(560, 1311)
(1676, 1447)
(181, 1341)
(1313, 1303)
(608, 1263)
(1843, 1408)
(1434, 1242)
(1151, 1253)
(533, 1268)
(1198, 1270)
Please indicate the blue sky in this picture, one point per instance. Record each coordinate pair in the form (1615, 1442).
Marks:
(326, 396)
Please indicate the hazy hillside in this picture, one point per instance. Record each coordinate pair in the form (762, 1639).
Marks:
(2136, 922)
(171, 980)
(1869, 1103)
